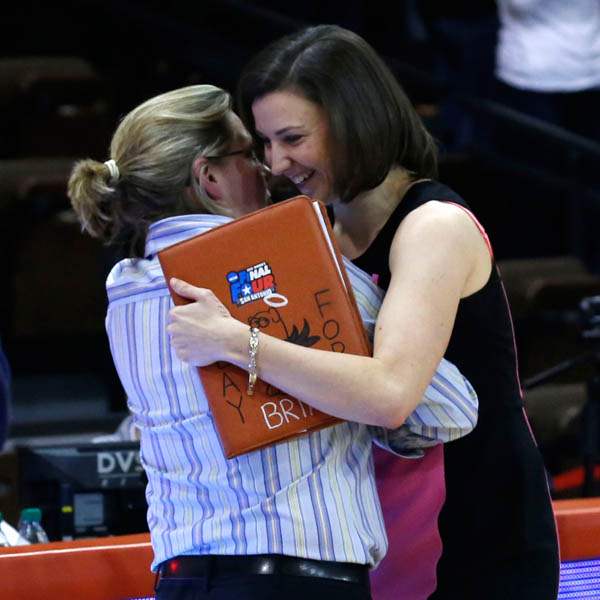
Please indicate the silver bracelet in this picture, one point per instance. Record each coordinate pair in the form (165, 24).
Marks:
(252, 352)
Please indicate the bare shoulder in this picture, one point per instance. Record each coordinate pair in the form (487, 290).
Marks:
(434, 216)
(446, 235)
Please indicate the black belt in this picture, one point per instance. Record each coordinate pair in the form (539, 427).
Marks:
(262, 564)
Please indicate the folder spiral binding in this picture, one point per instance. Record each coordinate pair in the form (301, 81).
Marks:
(278, 269)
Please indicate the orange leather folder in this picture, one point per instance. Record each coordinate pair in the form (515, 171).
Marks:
(278, 269)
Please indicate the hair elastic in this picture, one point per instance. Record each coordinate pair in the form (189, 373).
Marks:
(114, 170)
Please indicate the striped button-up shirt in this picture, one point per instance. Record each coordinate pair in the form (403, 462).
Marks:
(312, 497)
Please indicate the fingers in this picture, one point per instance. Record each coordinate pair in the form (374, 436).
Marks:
(196, 329)
(187, 290)
(205, 304)
(178, 343)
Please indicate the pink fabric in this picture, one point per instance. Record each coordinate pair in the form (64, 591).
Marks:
(412, 492)
(477, 224)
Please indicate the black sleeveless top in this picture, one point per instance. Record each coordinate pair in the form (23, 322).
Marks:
(482, 343)
(497, 507)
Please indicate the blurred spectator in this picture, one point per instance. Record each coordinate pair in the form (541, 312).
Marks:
(4, 396)
(548, 67)
(548, 61)
(462, 38)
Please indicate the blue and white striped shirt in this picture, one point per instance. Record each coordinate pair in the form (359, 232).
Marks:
(312, 497)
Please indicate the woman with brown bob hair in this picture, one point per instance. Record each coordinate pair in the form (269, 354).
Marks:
(331, 117)
(368, 136)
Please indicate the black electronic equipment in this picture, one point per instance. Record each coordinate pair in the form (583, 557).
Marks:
(84, 490)
(588, 319)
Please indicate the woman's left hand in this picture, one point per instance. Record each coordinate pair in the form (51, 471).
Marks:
(201, 332)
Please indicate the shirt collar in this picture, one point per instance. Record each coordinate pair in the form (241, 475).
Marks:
(172, 230)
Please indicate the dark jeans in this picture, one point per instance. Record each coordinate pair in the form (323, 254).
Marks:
(259, 587)
(574, 112)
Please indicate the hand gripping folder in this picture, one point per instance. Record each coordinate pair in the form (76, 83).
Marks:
(278, 269)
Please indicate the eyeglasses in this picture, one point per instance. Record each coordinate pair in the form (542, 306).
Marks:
(249, 153)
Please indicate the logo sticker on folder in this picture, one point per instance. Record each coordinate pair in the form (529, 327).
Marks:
(251, 283)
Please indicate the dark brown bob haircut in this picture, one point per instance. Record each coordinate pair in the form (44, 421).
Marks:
(373, 124)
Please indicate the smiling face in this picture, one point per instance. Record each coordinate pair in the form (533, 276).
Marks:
(295, 134)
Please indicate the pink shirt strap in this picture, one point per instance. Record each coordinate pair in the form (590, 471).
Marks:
(477, 224)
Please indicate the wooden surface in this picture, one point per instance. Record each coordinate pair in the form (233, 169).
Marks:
(118, 567)
(107, 568)
(578, 522)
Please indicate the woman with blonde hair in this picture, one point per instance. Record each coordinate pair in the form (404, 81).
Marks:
(169, 156)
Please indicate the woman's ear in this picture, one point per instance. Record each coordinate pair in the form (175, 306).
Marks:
(207, 177)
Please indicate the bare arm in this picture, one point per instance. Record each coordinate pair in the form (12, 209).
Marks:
(433, 258)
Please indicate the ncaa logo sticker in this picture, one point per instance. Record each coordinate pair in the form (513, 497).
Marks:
(251, 283)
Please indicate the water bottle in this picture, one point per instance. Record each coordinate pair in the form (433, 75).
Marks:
(30, 526)
(3, 539)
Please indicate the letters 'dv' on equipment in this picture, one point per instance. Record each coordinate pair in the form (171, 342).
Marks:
(278, 269)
